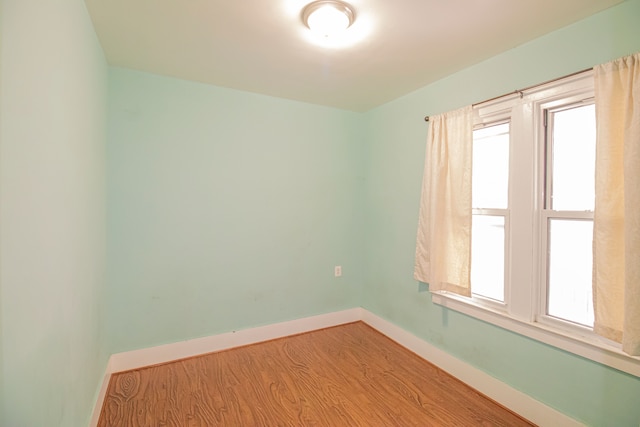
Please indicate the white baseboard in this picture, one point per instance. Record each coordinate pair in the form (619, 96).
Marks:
(134, 359)
(180, 350)
(95, 416)
(507, 396)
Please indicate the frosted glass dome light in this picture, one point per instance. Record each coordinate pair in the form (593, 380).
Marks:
(328, 18)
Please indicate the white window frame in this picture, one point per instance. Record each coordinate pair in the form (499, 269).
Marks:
(496, 119)
(524, 308)
(546, 213)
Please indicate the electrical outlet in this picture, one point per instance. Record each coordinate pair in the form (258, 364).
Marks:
(337, 271)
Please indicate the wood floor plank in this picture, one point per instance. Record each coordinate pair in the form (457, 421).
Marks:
(349, 375)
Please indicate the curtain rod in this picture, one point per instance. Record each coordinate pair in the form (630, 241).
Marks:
(521, 91)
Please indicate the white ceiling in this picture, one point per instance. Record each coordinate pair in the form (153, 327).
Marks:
(394, 46)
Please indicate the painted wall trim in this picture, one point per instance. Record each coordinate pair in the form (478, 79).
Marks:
(102, 392)
(507, 396)
(134, 359)
(518, 402)
(590, 347)
(180, 350)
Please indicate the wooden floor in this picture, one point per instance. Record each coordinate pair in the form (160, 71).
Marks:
(349, 375)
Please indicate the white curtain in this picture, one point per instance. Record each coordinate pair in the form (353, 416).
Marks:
(616, 241)
(443, 249)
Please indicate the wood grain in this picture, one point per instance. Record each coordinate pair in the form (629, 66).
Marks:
(349, 375)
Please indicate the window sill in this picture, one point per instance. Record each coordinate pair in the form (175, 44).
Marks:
(587, 347)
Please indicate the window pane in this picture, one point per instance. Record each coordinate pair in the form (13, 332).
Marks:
(491, 167)
(574, 151)
(487, 256)
(570, 261)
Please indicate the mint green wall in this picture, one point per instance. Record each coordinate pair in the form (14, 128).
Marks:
(1, 340)
(53, 90)
(226, 209)
(396, 138)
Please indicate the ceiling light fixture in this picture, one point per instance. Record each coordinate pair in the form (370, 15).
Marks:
(328, 17)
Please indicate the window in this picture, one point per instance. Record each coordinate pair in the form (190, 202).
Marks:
(532, 219)
(490, 185)
(567, 214)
